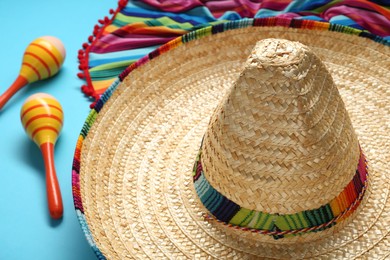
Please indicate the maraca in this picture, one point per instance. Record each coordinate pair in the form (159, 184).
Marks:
(42, 118)
(42, 59)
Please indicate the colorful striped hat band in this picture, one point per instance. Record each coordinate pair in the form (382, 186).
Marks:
(256, 174)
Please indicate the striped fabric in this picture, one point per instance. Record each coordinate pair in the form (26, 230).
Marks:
(279, 225)
(138, 27)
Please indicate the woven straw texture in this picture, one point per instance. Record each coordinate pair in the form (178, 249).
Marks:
(281, 141)
(135, 178)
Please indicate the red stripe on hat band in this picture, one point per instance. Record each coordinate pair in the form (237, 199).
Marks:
(33, 68)
(38, 106)
(40, 60)
(43, 128)
(43, 116)
(49, 52)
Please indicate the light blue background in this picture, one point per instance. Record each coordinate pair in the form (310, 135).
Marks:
(26, 230)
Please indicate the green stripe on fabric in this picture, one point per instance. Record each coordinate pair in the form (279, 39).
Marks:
(292, 221)
(204, 32)
(130, 19)
(247, 219)
(266, 222)
(197, 34)
(238, 24)
(282, 223)
(111, 65)
(343, 29)
(107, 74)
(297, 222)
(309, 218)
(240, 216)
(118, 23)
(302, 220)
(329, 212)
(256, 221)
(88, 123)
(318, 216)
(166, 21)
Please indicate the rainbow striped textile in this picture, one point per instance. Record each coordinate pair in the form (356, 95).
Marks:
(138, 27)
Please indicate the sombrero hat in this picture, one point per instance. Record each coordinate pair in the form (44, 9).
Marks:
(264, 138)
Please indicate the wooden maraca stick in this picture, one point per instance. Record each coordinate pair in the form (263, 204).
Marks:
(15, 87)
(42, 59)
(42, 118)
(52, 187)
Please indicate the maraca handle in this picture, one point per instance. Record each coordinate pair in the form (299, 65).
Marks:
(52, 187)
(18, 84)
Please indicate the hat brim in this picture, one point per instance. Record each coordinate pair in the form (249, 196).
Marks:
(133, 191)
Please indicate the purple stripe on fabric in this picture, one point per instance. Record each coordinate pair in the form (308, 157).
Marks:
(362, 168)
(198, 171)
(357, 183)
(173, 6)
(76, 191)
(275, 5)
(374, 22)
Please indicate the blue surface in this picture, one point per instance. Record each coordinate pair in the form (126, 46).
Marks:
(26, 230)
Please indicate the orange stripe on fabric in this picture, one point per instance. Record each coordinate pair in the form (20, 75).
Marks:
(49, 52)
(43, 116)
(33, 68)
(40, 60)
(335, 207)
(44, 128)
(37, 106)
(343, 201)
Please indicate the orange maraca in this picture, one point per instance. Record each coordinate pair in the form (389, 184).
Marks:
(42, 59)
(42, 118)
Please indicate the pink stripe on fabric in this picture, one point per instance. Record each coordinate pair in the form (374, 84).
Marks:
(374, 22)
(120, 44)
(289, 15)
(175, 6)
(244, 8)
(275, 5)
(362, 168)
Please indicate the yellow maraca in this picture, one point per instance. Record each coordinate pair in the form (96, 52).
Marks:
(42, 59)
(42, 118)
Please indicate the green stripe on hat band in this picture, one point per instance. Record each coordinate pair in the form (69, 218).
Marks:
(279, 225)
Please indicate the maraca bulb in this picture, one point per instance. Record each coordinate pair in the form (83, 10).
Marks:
(42, 58)
(42, 118)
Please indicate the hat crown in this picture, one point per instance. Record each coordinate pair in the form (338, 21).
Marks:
(281, 141)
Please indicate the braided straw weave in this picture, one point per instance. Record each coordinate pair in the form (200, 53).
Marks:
(134, 190)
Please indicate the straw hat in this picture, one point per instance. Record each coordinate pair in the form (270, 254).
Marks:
(247, 140)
